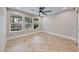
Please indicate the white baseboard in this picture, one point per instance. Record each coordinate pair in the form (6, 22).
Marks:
(9, 38)
(63, 36)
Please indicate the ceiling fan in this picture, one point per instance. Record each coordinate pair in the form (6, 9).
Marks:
(43, 11)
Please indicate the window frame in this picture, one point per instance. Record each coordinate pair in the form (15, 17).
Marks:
(14, 16)
(34, 23)
(28, 22)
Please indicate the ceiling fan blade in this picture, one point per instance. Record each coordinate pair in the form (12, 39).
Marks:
(47, 11)
(43, 13)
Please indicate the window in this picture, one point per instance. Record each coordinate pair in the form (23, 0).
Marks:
(36, 23)
(28, 23)
(16, 23)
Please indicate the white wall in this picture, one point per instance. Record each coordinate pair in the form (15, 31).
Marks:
(78, 28)
(2, 27)
(63, 23)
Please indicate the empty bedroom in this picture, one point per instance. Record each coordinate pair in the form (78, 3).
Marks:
(38, 29)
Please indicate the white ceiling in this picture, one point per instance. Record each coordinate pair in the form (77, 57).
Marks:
(35, 10)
